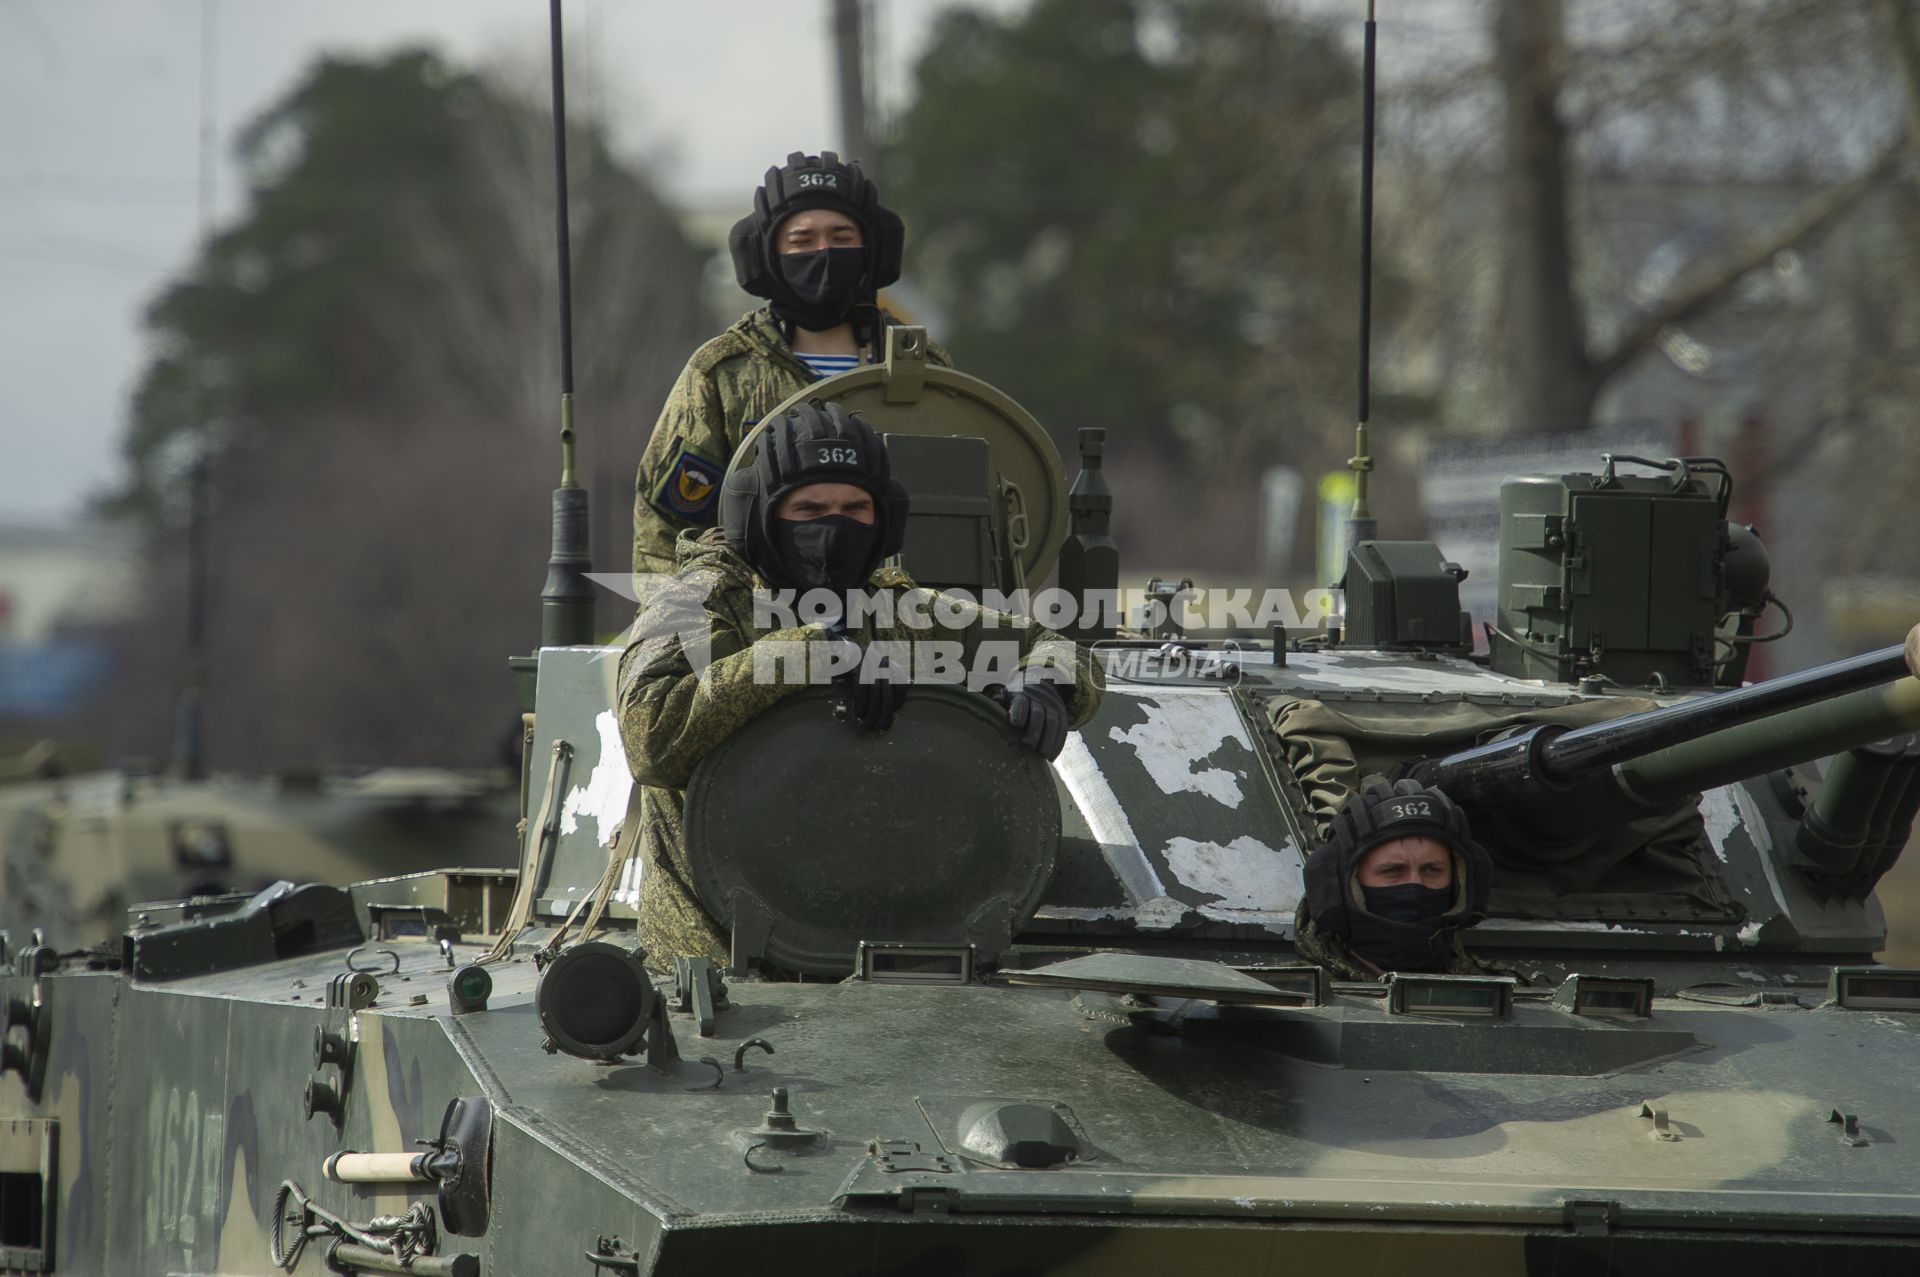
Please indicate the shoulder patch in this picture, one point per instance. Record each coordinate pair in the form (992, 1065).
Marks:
(690, 487)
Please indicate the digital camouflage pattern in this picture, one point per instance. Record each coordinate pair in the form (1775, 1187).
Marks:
(723, 392)
(671, 716)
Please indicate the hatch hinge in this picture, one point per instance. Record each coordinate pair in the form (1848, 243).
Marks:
(934, 1201)
(1591, 1219)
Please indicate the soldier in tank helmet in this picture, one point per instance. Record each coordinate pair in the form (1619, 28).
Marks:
(818, 246)
(816, 510)
(1397, 879)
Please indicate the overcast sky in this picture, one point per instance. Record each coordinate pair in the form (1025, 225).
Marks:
(99, 125)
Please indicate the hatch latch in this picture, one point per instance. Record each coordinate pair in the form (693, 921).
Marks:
(906, 1155)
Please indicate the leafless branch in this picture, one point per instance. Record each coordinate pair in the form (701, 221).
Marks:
(1707, 285)
(1902, 20)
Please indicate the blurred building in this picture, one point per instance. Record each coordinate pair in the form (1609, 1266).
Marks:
(62, 586)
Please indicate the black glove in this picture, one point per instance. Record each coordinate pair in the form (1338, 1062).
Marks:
(1038, 712)
(876, 691)
(876, 688)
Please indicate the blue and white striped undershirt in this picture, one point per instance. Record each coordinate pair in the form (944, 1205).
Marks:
(828, 365)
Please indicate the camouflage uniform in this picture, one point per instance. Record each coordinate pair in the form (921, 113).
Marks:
(723, 392)
(671, 717)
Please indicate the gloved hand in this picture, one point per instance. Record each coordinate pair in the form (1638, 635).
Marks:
(876, 688)
(1037, 711)
(875, 692)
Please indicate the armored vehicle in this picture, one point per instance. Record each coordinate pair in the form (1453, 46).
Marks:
(1049, 1018)
(984, 1014)
(77, 851)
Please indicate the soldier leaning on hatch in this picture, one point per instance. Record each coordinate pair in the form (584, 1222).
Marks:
(1397, 880)
(818, 246)
(817, 510)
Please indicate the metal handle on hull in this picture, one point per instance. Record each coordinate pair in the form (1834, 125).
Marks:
(350, 1167)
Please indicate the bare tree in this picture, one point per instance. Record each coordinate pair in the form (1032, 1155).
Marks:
(1557, 365)
(378, 541)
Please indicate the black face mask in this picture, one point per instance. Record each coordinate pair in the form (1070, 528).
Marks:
(1400, 946)
(1408, 902)
(1399, 929)
(829, 553)
(823, 284)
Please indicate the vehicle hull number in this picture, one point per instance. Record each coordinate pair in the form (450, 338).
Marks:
(184, 1144)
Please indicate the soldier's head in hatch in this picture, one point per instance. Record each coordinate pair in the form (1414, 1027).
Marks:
(816, 504)
(1398, 875)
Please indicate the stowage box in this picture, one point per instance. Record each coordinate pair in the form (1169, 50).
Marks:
(1610, 575)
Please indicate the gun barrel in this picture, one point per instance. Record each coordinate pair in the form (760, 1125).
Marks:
(1548, 758)
(1755, 748)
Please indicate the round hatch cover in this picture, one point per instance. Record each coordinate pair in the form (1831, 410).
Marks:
(807, 829)
(909, 396)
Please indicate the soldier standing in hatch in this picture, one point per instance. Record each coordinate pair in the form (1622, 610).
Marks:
(819, 247)
(1397, 880)
(816, 510)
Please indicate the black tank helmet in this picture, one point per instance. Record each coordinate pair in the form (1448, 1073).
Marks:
(814, 181)
(814, 442)
(1378, 812)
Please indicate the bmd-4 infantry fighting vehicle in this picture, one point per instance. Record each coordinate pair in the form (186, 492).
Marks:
(1049, 1019)
(987, 1015)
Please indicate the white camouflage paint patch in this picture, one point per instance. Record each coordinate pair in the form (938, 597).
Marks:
(627, 890)
(1107, 821)
(1161, 914)
(604, 797)
(1718, 814)
(1182, 731)
(1763, 841)
(1246, 874)
(1391, 674)
(1079, 913)
(1749, 813)
(1526, 924)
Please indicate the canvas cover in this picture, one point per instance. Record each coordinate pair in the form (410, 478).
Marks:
(1657, 867)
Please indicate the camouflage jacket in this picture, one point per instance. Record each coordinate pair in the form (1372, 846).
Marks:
(725, 389)
(688, 681)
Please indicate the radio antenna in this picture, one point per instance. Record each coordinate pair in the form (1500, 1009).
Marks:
(189, 730)
(1361, 525)
(566, 600)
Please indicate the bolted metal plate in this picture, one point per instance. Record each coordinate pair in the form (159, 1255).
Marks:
(912, 397)
(941, 830)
